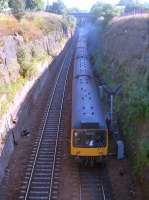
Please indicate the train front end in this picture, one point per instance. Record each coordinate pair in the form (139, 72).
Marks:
(89, 142)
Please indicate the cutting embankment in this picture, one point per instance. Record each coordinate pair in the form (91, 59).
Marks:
(126, 62)
(27, 47)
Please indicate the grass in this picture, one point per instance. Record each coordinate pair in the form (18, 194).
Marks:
(9, 90)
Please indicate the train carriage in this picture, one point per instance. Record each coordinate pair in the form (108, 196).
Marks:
(89, 133)
(81, 52)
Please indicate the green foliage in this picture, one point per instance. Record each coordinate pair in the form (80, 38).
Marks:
(20, 5)
(10, 91)
(133, 109)
(17, 5)
(28, 61)
(94, 47)
(47, 24)
(69, 21)
(39, 4)
(105, 72)
(136, 97)
(105, 11)
(3, 4)
(27, 69)
(30, 4)
(142, 158)
(57, 7)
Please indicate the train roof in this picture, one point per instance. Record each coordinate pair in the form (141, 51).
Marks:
(82, 67)
(86, 106)
(81, 52)
(82, 43)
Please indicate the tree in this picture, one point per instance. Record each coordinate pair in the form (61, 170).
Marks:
(105, 11)
(30, 4)
(57, 7)
(39, 4)
(34, 4)
(3, 4)
(17, 5)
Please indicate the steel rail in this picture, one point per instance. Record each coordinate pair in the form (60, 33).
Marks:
(57, 137)
(91, 187)
(103, 192)
(43, 128)
(80, 193)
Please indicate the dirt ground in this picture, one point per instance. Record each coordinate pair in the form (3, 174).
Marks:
(123, 181)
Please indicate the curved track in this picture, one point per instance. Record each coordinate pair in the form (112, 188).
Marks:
(43, 171)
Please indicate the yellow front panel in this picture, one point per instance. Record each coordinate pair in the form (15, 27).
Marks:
(76, 151)
(88, 151)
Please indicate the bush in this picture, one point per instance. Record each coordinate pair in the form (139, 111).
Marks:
(136, 97)
(29, 33)
(19, 15)
(142, 158)
(27, 70)
(46, 24)
(28, 60)
(38, 54)
(69, 21)
(9, 90)
(105, 11)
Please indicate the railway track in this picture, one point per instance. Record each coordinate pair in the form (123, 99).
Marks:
(42, 176)
(94, 184)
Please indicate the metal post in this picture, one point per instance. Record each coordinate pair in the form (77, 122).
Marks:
(111, 107)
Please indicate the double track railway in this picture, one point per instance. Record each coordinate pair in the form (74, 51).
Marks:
(43, 172)
(42, 176)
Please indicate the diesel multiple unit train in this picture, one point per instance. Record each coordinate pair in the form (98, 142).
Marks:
(89, 133)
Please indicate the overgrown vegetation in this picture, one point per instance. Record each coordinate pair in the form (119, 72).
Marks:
(3, 5)
(94, 47)
(132, 105)
(8, 91)
(28, 61)
(57, 7)
(21, 5)
(142, 158)
(28, 68)
(133, 108)
(33, 26)
(105, 12)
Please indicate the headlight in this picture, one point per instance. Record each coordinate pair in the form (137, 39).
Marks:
(75, 134)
